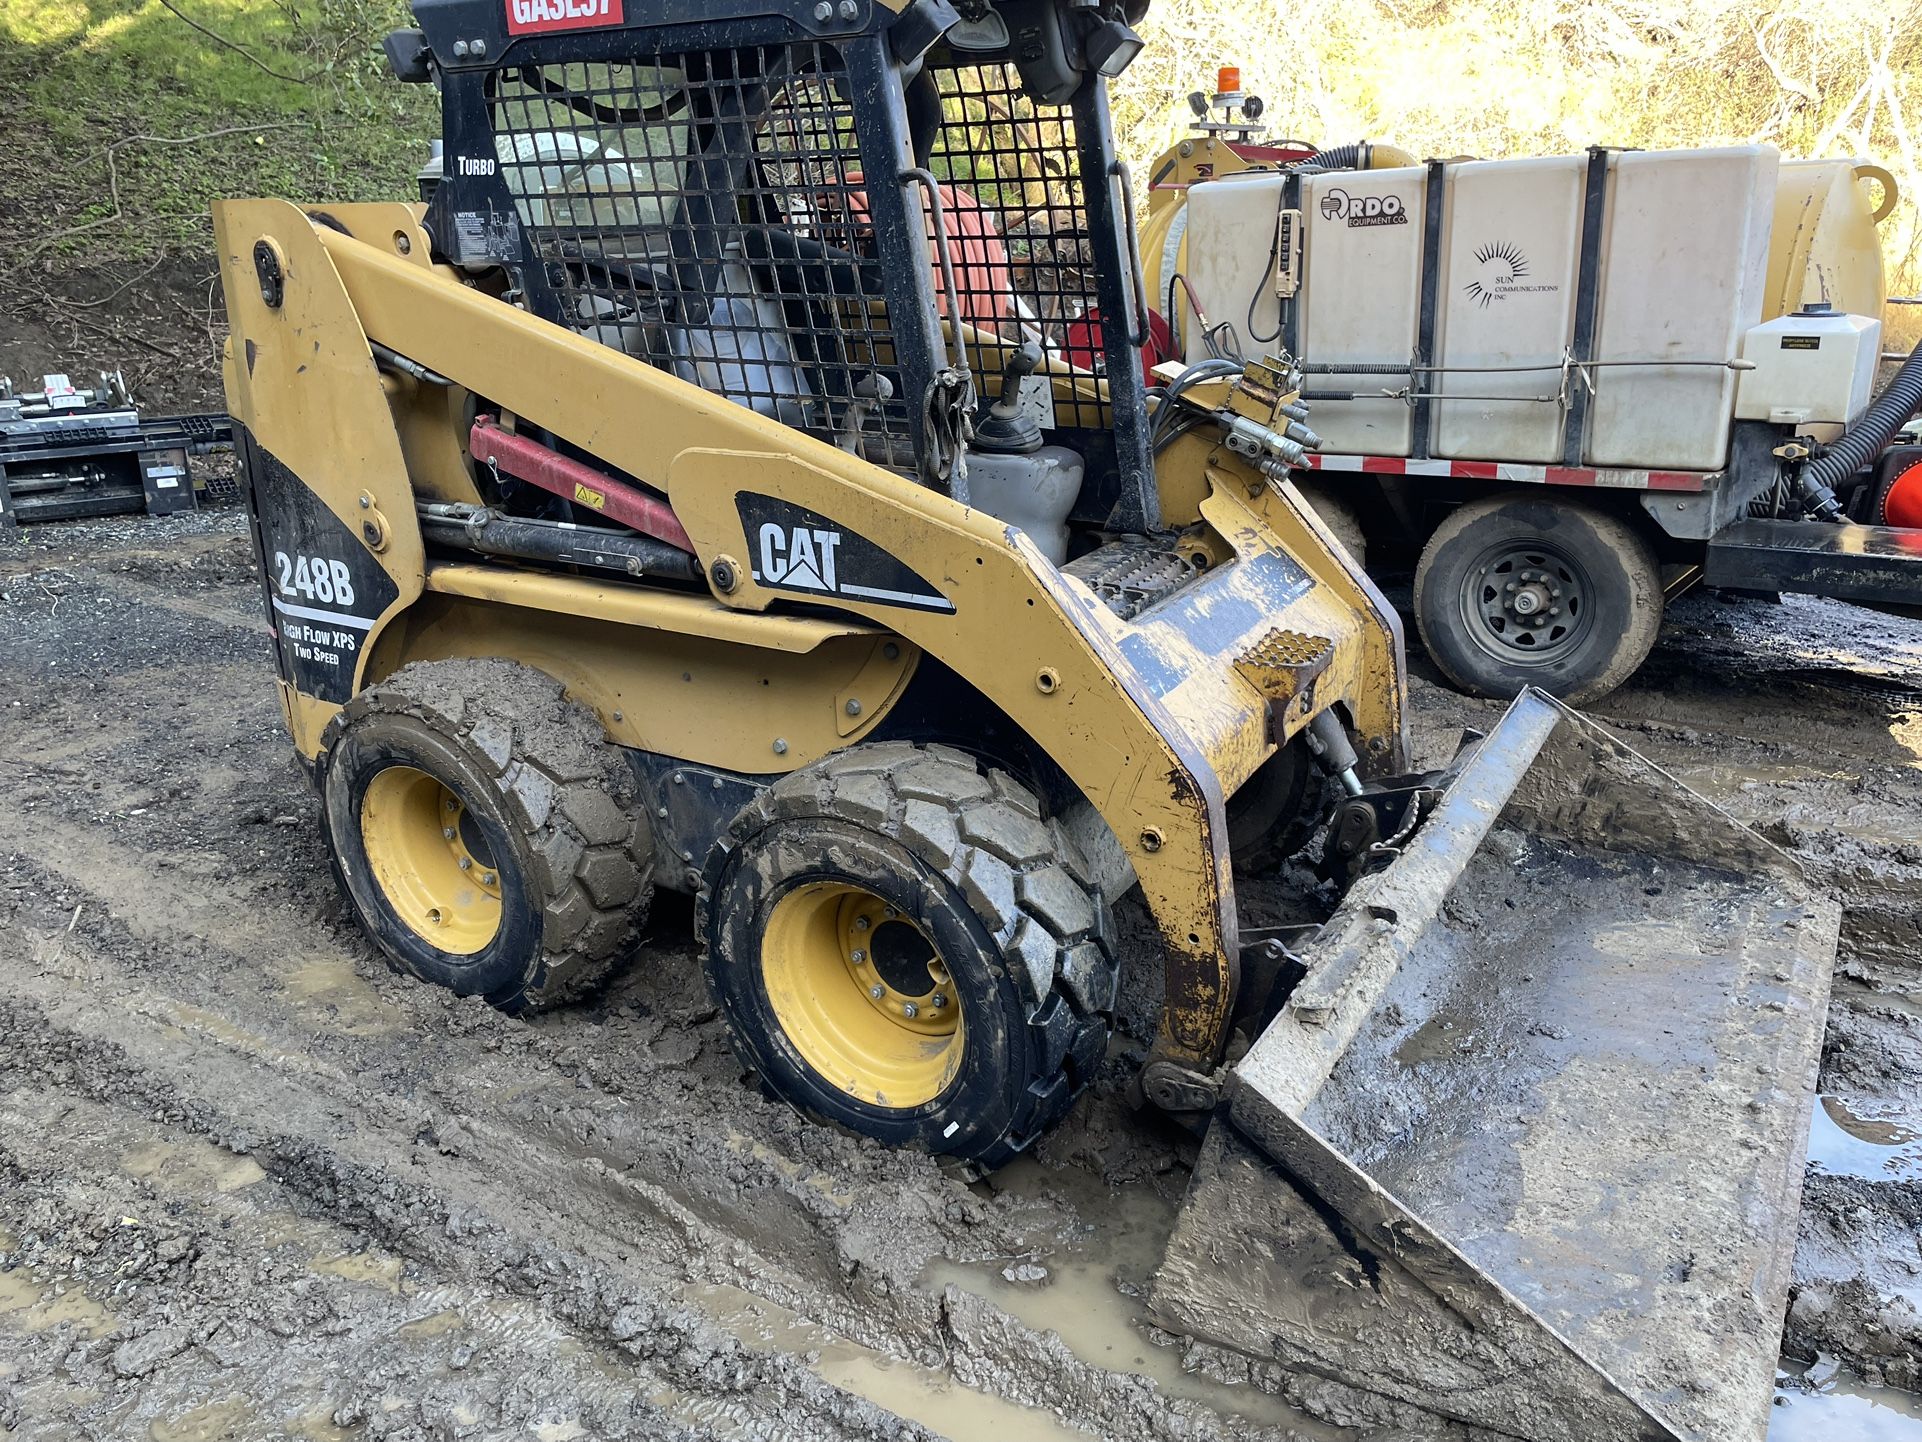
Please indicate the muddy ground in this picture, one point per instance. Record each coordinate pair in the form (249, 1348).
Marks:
(253, 1185)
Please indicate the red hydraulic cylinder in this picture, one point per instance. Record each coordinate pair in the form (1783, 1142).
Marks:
(538, 465)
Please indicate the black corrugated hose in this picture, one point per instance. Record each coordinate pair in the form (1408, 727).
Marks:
(1862, 442)
(1341, 157)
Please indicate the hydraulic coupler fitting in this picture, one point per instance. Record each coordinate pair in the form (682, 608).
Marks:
(1255, 442)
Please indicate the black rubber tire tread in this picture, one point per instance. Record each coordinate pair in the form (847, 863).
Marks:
(1277, 811)
(1629, 601)
(571, 799)
(1022, 876)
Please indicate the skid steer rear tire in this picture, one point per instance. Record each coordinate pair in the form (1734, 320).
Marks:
(1587, 557)
(537, 799)
(949, 884)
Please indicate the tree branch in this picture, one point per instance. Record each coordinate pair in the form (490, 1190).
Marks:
(240, 50)
(113, 174)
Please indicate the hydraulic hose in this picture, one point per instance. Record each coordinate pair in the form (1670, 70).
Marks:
(1862, 442)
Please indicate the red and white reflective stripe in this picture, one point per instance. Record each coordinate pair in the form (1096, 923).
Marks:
(1516, 471)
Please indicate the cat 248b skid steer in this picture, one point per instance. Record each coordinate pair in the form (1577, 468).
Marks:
(628, 517)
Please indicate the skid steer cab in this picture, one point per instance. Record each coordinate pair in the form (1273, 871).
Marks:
(739, 476)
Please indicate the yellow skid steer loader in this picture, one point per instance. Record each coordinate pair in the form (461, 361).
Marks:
(699, 489)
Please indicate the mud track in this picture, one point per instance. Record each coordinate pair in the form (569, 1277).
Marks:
(252, 1184)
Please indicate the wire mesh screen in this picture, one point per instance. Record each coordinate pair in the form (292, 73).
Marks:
(1025, 262)
(707, 213)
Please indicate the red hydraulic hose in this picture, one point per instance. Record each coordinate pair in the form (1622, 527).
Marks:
(538, 465)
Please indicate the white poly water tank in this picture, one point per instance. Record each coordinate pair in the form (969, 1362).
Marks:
(1362, 246)
(1511, 259)
(1231, 238)
(1815, 368)
(1682, 264)
(1360, 299)
(1684, 268)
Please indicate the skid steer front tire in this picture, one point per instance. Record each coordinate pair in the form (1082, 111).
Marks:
(902, 945)
(486, 831)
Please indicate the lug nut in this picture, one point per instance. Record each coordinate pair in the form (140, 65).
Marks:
(861, 923)
(937, 1001)
(910, 1010)
(452, 805)
(877, 991)
(447, 833)
(465, 862)
(487, 878)
(859, 956)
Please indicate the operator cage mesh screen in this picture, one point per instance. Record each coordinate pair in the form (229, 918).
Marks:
(708, 214)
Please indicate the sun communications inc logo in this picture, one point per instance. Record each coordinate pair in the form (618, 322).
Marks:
(1501, 271)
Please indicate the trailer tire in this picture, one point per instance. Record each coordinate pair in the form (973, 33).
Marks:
(1339, 515)
(902, 945)
(547, 879)
(1523, 590)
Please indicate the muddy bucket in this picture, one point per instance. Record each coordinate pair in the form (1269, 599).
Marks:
(1524, 1148)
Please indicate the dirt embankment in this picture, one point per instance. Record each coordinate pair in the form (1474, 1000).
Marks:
(253, 1184)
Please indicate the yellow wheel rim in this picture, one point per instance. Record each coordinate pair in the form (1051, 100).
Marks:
(862, 994)
(430, 860)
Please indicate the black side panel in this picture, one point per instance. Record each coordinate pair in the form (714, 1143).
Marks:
(323, 589)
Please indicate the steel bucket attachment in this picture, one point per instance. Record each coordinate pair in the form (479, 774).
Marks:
(1525, 1146)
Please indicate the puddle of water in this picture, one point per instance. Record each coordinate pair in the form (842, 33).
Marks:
(229, 1418)
(1720, 781)
(27, 1305)
(1907, 732)
(432, 1325)
(318, 1426)
(1082, 1302)
(932, 1398)
(1853, 1138)
(331, 982)
(194, 1018)
(1843, 1410)
(193, 1162)
(374, 1268)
